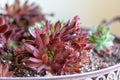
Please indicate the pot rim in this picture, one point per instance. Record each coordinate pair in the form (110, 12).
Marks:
(81, 75)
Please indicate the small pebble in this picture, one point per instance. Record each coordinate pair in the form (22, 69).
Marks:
(9, 62)
(28, 75)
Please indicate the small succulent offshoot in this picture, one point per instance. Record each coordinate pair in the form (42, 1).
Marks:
(101, 38)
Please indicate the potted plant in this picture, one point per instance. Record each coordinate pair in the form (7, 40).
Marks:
(33, 48)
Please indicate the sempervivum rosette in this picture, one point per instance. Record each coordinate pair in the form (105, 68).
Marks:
(23, 15)
(101, 38)
(57, 49)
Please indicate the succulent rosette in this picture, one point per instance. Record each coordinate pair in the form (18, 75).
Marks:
(102, 39)
(58, 49)
(23, 15)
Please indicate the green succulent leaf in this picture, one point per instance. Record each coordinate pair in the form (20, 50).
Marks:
(50, 55)
(38, 25)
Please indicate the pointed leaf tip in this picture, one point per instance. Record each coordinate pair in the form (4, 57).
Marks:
(2, 21)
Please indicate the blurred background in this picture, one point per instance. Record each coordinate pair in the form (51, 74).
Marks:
(91, 12)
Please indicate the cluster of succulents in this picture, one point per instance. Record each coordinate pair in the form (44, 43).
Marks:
(34, 42)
